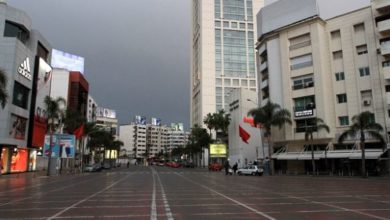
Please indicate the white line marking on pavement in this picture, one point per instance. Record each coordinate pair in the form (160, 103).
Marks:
(231, 199)
(85, 199)
(164, 196)
(153, 210)
(40, 194)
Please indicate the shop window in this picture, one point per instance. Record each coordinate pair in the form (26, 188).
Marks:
(5, 155)
(18, 127)
(20, 96)
(19, 160)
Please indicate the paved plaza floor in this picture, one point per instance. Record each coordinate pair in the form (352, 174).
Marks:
(168, 193)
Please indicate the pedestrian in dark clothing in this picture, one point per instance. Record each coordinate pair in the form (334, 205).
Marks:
(227, 166)
(235, 168)
(128, 164)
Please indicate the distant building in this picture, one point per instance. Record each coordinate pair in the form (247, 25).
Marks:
(143, 140)
(330, 67)
(91, 109)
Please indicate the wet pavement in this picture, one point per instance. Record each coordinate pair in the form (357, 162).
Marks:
(168, 193)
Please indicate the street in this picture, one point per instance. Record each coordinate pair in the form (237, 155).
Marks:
(167, 193)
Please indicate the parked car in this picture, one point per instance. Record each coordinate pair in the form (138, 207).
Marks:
(189, 164)
(93, 168)
(173, 164)
(215, 167)
(250, 170)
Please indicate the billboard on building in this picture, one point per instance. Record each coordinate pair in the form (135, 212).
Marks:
(177, 126)
(42, 90)
(63, 145)
(70, 62)
(18, 127)
(140, 120)
(105, 112)
(156, 121)
(218, 150)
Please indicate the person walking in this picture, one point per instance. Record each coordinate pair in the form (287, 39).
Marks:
(128, 164)
(235, 167)
(227, 166)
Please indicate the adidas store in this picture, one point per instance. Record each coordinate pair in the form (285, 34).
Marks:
(19, 45)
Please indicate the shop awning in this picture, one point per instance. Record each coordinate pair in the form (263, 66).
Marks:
(371, 154)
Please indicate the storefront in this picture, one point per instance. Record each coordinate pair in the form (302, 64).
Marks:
(17, 159)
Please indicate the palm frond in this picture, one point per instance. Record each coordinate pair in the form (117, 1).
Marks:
(345, 135)
(374, 127)
(323, 127)
(376, 135)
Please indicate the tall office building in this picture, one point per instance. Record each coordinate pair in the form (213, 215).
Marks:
(222, 55)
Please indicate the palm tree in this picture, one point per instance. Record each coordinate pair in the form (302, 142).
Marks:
(3, 88)
(267, 117)
(54, 113)
(198, 139)
(319, 125)
(363, 124)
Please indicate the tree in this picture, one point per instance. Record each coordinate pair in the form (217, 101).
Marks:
(72, 120)
(3, 88)
(363, 124)
(54, 111)
(219, 122)
(318, 125)
(269, 116)
(198, 139)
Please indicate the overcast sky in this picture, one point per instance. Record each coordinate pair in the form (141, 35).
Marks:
(136, 51)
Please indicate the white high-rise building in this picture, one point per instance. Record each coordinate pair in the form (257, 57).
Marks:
(222, 53)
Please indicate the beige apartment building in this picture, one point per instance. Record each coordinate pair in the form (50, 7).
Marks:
(326, 64)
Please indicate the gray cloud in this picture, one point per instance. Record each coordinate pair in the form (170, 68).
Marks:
(136, 51)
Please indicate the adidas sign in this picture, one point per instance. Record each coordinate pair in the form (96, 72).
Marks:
(24, 69)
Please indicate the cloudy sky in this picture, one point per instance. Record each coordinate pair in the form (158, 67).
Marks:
(136, 51)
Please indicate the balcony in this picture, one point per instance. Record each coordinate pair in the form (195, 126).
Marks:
(385, 48)
(304, 129)
(263, 66)
(382, 5)
(384, 26)
(388, 97)
(264, 84)
(386, 72)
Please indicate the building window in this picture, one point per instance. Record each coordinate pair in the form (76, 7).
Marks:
(20, 95)
(217, 24)
(234, 10)
(337, 55)
(386, 63)
(244, 82)
(303, 82)
(301, 61)
(236, 82)
(365, 71)
(344, 121)
(300, 41)
(252, 83)
(335, 34)
(225, 24)
(242, 25)
(217, 8)
(227, 82)
(340, 76)
(387, 87)
(218, 81)
(234, 25)
(362, 49)
(16, 30)
(304, 103)
(250, 26)
(303, 125)
(342, 98)
(388, 113)
(359, 27)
